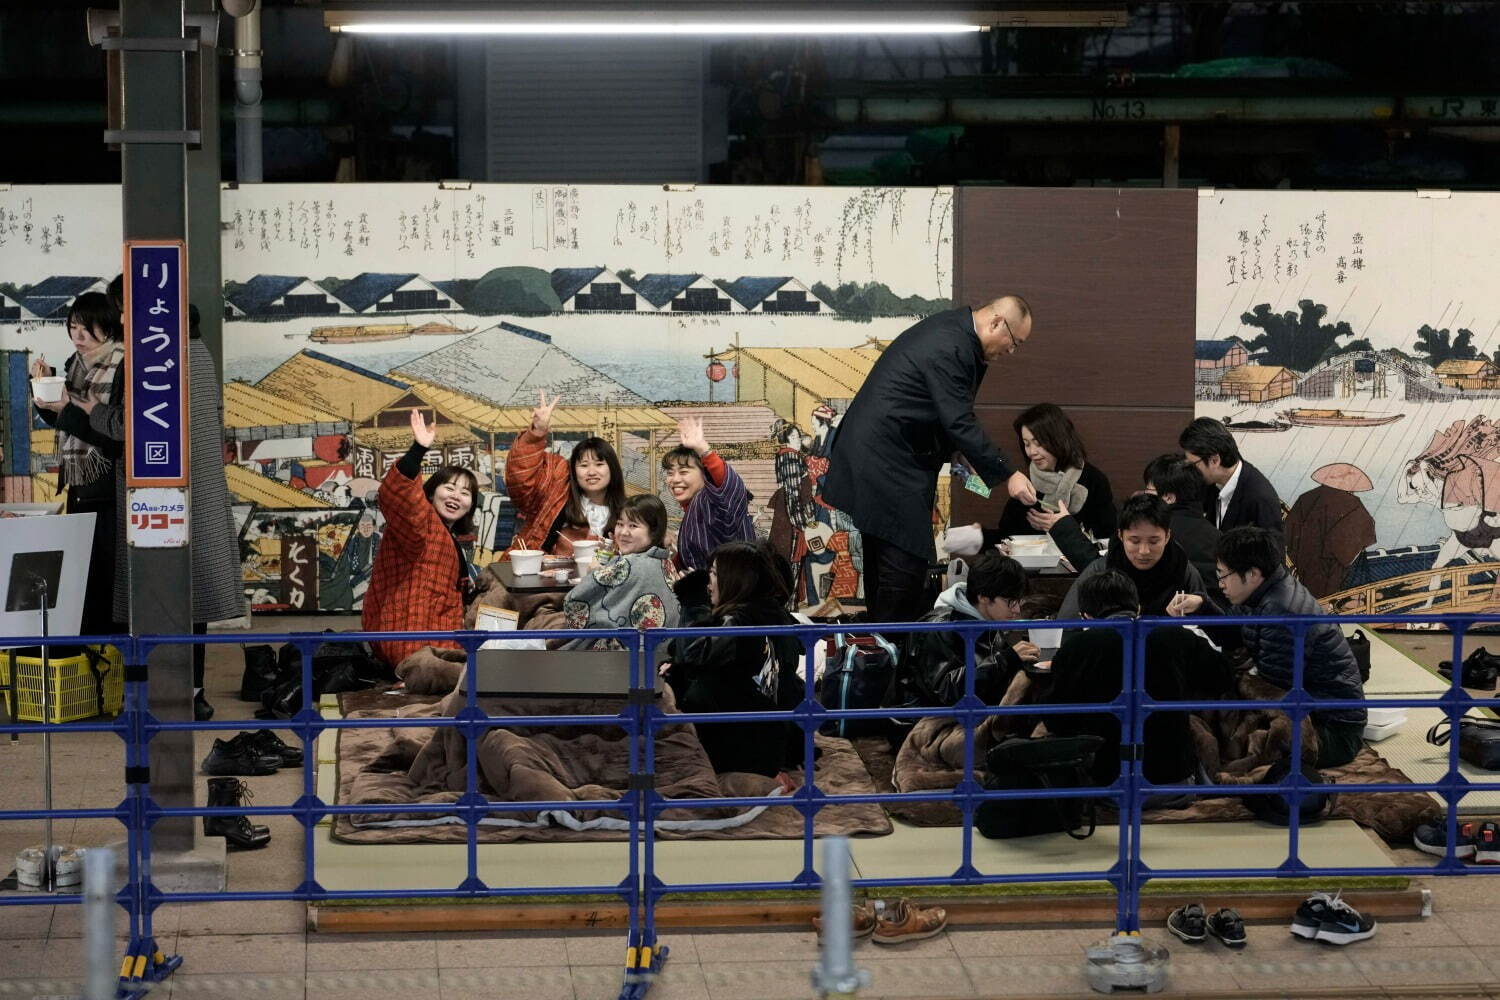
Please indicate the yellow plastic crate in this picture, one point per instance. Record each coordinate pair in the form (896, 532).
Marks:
(74, 684)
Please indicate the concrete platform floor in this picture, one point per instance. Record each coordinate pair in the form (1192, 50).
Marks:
(264, 950)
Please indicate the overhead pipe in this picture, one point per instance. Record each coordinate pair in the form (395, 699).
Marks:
(248, 114)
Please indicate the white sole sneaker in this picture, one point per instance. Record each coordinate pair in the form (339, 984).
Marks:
(1462, 852)
(1333, 936)
(1489, 857)
(1308, 931)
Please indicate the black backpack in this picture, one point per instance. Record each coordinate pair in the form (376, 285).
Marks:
(1359, 645)
(859, 673)
(1044, 762)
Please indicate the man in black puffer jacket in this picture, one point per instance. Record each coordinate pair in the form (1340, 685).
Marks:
(931, 669)
(1256, 581)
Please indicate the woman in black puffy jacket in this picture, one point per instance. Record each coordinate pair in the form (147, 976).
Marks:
(742, 673)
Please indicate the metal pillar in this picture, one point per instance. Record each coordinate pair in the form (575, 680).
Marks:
(154, 181)
(205, 271)
(247, 90)
(1171, 156)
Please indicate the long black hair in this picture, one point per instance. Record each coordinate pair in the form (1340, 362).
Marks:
(614, 493)
(449, 474)
(747, 575)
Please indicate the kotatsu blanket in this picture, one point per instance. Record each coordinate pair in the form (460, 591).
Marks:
(931, 758)
(565, 764)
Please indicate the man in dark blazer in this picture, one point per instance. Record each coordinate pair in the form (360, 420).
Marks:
(914, 411)
(1238, 493)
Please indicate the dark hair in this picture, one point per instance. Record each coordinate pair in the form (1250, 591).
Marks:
(195, 332)
(117, 291)
(782, 565)
(747, 575)
(682, 455)
(997, 577)
(1248, 547)
(448, 474)
(1172, 474)
(614, 493)
(1145, 507)
(1055, 432)
(1108, 593)
(646, 509)
(1206, 436)
(96, 314)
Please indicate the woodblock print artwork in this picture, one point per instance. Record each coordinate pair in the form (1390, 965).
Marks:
(759, 310)
(1351, 341)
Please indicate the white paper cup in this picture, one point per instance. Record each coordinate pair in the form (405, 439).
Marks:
(48, 388)
(1046, 638)
(526, 562)
(584, 549)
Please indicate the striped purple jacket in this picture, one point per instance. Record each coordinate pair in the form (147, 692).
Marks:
(718, 514)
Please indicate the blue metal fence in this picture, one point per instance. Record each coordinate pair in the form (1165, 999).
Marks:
(640, 889)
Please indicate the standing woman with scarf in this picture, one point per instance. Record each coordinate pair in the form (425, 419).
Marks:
(95, 374)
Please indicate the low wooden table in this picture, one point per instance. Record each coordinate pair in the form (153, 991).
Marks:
(533, 583)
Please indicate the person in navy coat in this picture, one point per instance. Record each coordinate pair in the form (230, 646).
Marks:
(914, 411)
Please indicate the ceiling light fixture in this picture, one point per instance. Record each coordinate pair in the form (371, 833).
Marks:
(665, 17)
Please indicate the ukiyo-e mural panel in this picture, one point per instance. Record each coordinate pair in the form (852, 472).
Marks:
(1353, 341)
(759, 309)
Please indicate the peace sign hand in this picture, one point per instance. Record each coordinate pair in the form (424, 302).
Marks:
(541, 417)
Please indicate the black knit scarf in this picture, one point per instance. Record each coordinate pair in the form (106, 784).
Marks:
(1156, 585)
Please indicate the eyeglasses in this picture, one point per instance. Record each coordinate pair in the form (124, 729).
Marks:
(1010, 335)
(1221, 577)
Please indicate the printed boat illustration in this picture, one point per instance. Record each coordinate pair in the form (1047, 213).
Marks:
(367, 334)
(1256, 426)
(1338, 418)
(435, 329)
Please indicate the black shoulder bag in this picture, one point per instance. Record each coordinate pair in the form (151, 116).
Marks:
(1478, 740)
(1047, 762)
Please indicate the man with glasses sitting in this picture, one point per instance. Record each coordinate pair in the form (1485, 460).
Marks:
(1254, 577)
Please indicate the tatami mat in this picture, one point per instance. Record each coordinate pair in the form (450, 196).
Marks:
(1392, 672)
(936, 851)
(1421, 761)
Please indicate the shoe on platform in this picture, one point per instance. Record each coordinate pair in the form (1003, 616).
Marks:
(1310, 915)
(905, 921)
(1226, 925)
(1187, 923)
(239, 758)
(1433, 839)
(1344, 924)
(270, 745)
(238, 832)
(1487, 845)
(202, 710)
(861, 921)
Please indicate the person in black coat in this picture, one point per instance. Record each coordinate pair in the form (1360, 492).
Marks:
(737, 673)
(914, 411)
(1089, 669)
(1181, 488)
(1254, 576)
(1239, 494)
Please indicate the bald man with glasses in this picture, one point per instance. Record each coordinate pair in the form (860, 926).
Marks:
(913, 413)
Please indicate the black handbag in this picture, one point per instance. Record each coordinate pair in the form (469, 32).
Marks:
(859, 673)
(1478, 740)
(1313, 807)
(1047, 762)
(1359, 645)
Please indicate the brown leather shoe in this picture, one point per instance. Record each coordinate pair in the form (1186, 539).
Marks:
(905, 921)
(862, 923)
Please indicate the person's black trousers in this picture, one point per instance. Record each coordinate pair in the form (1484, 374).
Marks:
(895, 582)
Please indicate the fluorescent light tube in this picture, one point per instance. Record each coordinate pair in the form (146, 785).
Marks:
(655, 28)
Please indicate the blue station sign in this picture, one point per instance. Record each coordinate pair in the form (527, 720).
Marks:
(156, 363)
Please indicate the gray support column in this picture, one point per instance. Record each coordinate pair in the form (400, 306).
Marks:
(247, 90)
(204, 173)
(154, 185)
(1171, 156)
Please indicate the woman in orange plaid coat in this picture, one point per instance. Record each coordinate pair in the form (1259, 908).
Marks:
(421, 576)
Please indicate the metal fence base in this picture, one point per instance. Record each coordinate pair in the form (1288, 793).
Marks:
(1125, 962)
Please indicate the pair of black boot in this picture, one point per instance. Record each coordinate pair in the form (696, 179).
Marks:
(1480, 669)
(238, 832)
(251, 755)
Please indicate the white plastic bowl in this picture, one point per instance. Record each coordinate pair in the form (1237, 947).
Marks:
(526, 562)
(48, 388)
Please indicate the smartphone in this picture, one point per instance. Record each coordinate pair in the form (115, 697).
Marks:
(1045, 506)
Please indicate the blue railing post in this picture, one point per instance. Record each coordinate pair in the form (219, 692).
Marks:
(1132, 802)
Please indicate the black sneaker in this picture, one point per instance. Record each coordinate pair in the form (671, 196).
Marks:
(1227, 926)
(202, 710)
(1480, 669)
(238, 758)
(1310, 915)
(1433, 839)
(269, 744)
(1186, 922)
(1487, 845)
(1344, 924)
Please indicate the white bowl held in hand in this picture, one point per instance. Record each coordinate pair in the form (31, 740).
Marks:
(48, 388)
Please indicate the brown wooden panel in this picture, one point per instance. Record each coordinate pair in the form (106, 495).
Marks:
(1112, 277)
(1120, 441)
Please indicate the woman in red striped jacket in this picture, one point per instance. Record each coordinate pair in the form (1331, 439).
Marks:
(559, 500)
(421, 577)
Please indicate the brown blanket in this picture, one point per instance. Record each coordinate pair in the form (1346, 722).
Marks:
(932, 758)
(566, 763)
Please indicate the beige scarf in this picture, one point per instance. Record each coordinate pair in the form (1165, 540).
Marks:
(88, 374)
